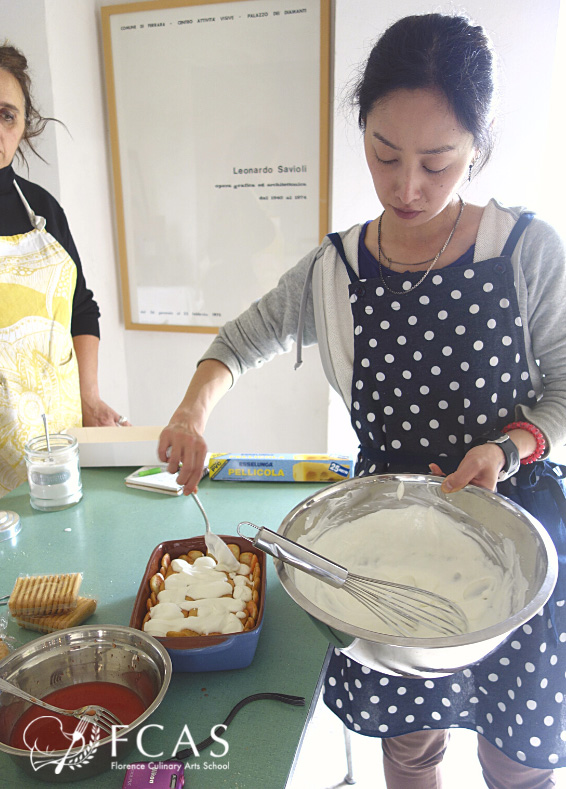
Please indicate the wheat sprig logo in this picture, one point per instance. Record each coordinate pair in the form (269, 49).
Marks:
(40, 758)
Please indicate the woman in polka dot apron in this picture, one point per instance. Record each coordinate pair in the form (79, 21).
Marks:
(440, 325)
(426, 401)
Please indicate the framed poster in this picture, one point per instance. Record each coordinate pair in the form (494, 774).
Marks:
(219, 128)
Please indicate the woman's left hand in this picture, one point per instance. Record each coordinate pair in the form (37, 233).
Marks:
(481, 466)
(96, 413)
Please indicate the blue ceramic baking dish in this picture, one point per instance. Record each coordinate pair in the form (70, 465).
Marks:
(203, 653)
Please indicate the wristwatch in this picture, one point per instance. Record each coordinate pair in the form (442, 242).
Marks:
(512, 458)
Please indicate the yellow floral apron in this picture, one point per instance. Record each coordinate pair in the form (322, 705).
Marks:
(38, 367)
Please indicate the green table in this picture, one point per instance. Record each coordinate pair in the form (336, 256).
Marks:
(109, 537)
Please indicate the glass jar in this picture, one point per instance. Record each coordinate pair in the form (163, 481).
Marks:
(54, 475)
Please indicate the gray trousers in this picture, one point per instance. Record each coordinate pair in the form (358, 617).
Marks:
(412, 761)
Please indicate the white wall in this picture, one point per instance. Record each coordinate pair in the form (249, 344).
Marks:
(523, 33)
(144, 374)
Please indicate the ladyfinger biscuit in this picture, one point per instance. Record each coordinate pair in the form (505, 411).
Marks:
(4, 651)
(44, 595)
(85, 607)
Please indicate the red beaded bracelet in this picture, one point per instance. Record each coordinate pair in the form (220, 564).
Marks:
(541, 442)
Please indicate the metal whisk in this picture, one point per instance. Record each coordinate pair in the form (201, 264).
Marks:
(403, 608)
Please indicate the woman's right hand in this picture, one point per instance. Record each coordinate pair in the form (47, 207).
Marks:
(181, 444)
(183, 448)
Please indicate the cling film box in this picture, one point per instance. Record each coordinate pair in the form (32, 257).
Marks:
(279, 468)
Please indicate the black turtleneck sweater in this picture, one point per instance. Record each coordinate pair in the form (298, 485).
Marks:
(15, 221)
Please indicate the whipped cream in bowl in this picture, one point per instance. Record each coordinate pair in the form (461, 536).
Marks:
(474, 547)
(422, 547)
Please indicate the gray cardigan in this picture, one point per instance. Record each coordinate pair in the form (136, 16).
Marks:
(269, 326)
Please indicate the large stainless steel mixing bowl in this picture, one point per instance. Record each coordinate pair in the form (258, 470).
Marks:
(473, 507)
(89, 653)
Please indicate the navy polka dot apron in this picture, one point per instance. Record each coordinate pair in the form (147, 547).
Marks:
(434, 368)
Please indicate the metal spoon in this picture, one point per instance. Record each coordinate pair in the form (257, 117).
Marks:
(201, 508)
(44, 417)
(215, 545)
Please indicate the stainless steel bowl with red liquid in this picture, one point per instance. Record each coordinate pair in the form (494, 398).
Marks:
(66, 664)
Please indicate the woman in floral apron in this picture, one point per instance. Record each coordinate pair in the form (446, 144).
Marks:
(48, 319)
(441, 325)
